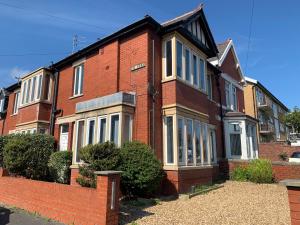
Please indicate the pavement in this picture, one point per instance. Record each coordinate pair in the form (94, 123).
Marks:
(13, 216)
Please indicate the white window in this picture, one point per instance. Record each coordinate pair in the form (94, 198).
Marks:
(227, 94)
(180, 137)
(231, 96)
(16, 103)
(79, 138)
(202, 75)
(102, 129)
(198, 143)
(2, 104)
(235, 139)
(127, 128)
(90, 134)
(204, 143)
(189, 140)
(64, 137)
(115, 129)
(209, 87)
(24, 87)
(169, 140)
(195, 71)
(78, 80)
(187, 66)
(213, 145)
(39, 89)
(28, 91)
(168, 54)
(179, 58)
(234, 98)
(33, 89)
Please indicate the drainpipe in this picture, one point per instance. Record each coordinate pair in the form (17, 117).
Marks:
(221, 115)
(153, 97)
(54, 102)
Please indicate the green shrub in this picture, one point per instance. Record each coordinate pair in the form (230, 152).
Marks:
(28, 155)
(3, 142)
(97, 157)
(141, 171)
(59, 166)
(260, 171)
(239, 174)
(283, 156)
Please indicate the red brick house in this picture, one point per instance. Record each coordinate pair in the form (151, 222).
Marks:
(168, 85)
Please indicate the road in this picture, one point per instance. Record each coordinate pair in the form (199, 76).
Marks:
(12, 216)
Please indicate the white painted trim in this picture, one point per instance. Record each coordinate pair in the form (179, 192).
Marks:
(232, 81)
(99, 128)
(88, 121)
(79, 62)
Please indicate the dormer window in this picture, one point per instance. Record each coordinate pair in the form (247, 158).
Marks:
(35, 88)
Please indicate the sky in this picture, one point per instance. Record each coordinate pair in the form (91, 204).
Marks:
(35, 33)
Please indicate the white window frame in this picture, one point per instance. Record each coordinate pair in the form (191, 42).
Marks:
(119, 129)
(184, 157)
(2, 100)
(16, 102)
(173, 68)
(186, 141)
(165, 142)
(130, 126)
(76, 139)
(80, 80)
(182, 59)
(209, 84)
(204, 74)
(106, 138)
(88, 121)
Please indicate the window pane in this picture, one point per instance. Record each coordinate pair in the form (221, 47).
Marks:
(65, 128)
(181, 151)
(76, 81)
(114, 133)
(1, 105)
(39, 91)
(81, 79)
(190, 148)
(234, 98)
(16, 104)
(235, 144)
(204, 143)
(187, 65)
(33, 89)
(127, 128)
(212, 145)
(198, 141)
(91, 132)
(24, 92)
(195, 71)
(102, 130)
(227, 93)
(179, 58)
(170, 150)
(202, 74)
(169, 58)
(46, 87)
(80, 138)
(28, 91)
(209, 87)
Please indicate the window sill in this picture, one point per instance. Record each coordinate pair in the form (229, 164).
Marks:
(173, 167)
(12, 115)
(33, 103)
(76, 96)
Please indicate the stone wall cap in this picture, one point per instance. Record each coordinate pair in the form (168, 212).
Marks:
(290, 182)
(107, 172)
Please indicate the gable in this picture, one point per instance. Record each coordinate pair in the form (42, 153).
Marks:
(196, 28)
(231, 67)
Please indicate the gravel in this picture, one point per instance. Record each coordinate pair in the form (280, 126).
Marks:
(239, 203)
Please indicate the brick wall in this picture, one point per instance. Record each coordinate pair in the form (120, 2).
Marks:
(65, 203)
(272, 150)
(281, 170)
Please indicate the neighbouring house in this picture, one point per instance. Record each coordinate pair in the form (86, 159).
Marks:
(261, 104)
(168, 85)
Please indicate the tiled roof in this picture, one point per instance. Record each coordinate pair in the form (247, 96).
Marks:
(221, 48)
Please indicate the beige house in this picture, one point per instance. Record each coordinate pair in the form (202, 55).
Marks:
(261, 104)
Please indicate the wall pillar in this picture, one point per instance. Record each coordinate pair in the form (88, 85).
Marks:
(74, 175)
(293, 187)
(3, 172)
(108, 183)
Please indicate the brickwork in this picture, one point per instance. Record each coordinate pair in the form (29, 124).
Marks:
(65, 203)
(294, 196)
(272, 150)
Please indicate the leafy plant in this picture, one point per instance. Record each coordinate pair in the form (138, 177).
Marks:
(293, 119)
(239, 174)
(59, 166)
(141, 171)
(260, 171)
(97, 157)
(283, 156)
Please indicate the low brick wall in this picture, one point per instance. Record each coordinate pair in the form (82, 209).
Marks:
(281, 170)
(272, 150)
(65, 203)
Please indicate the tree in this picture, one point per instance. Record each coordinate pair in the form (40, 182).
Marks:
(292, 119)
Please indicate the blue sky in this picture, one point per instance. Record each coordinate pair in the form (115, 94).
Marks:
(35, 33)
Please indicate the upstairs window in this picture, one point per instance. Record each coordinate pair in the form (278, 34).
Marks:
(16, 103)
(187, 65)
(2, 105)
(234, 98)
(195, 71)
(202, 75)
(78, 80)
(179, 59)
(168, 58)
(209, 87)
(231, 96)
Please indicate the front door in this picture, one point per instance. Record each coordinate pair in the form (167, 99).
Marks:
(64, 135)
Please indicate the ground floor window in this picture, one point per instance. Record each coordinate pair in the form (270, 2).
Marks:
(115, 127)
(194, 145)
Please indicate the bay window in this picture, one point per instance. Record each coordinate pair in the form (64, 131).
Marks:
(202, 75)
(187, 66)
(195, 71)
(179, 58)
(79, 138)
(114, 128)
(16, 103)
(168, 58)
(102, 129)
(192, 146)
(90, 131)
(231, 96)
(127, 128)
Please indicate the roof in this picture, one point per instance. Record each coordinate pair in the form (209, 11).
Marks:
(239, 114)
(258, 84)
(13, 87)
(221, 48)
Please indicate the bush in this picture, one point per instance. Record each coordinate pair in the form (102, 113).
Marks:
(28, 155)
(283, 156)
(97, 157)
(239, 174)
(3, 142)
(141, 171)
(258, 171)
(59, 166)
